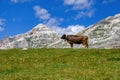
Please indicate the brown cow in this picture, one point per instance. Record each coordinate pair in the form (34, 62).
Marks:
(75, 39)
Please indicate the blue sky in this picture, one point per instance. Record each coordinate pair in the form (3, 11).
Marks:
(63, 16)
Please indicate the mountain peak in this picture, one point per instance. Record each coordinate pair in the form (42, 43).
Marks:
(40, 26)
(104, 34)
(117, 15)
(39, 36)
(41, 29)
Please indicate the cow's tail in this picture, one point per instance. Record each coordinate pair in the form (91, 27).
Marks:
(87, 42)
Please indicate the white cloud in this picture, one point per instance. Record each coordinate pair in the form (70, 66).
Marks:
(71, 29)
(20, 1)
(54, 23)
(2, 22)
(108, 1)
(70, 2)
(79, 4)
(84, 14)
(84, 8)
(15, 1)
(41, 13)
(1, 28)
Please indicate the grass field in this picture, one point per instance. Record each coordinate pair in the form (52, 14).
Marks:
(60, 64)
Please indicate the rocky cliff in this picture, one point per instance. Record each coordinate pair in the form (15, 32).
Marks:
(104, 34)
(39, 37)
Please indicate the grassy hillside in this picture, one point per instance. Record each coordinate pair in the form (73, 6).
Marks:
(60, 64)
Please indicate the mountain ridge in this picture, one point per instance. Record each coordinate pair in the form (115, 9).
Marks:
(38, 37)
(103, 34)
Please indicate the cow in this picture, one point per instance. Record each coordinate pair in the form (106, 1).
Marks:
(71, 39)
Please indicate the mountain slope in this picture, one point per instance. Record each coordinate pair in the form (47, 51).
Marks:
(40, 36)
(104, 34)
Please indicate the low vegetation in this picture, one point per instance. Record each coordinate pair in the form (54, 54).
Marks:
(60, 64)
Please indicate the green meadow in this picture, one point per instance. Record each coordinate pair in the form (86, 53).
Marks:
(60, 64)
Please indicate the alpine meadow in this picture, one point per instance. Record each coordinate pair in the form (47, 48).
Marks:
(59, 39)
(60, 64)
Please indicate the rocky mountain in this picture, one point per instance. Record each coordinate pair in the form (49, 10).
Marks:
(39, 37)
(104, 34)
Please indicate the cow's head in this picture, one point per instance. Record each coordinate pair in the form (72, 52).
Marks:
(63, 36)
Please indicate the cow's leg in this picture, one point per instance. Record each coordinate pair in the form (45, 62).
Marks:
(85, 44)
(71, 44)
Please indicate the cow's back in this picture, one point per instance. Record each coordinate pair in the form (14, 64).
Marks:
(76, 38)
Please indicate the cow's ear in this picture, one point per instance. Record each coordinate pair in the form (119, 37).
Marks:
(64, 35)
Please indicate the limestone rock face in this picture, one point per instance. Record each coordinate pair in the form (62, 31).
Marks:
(104, 34)
(39, 37)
